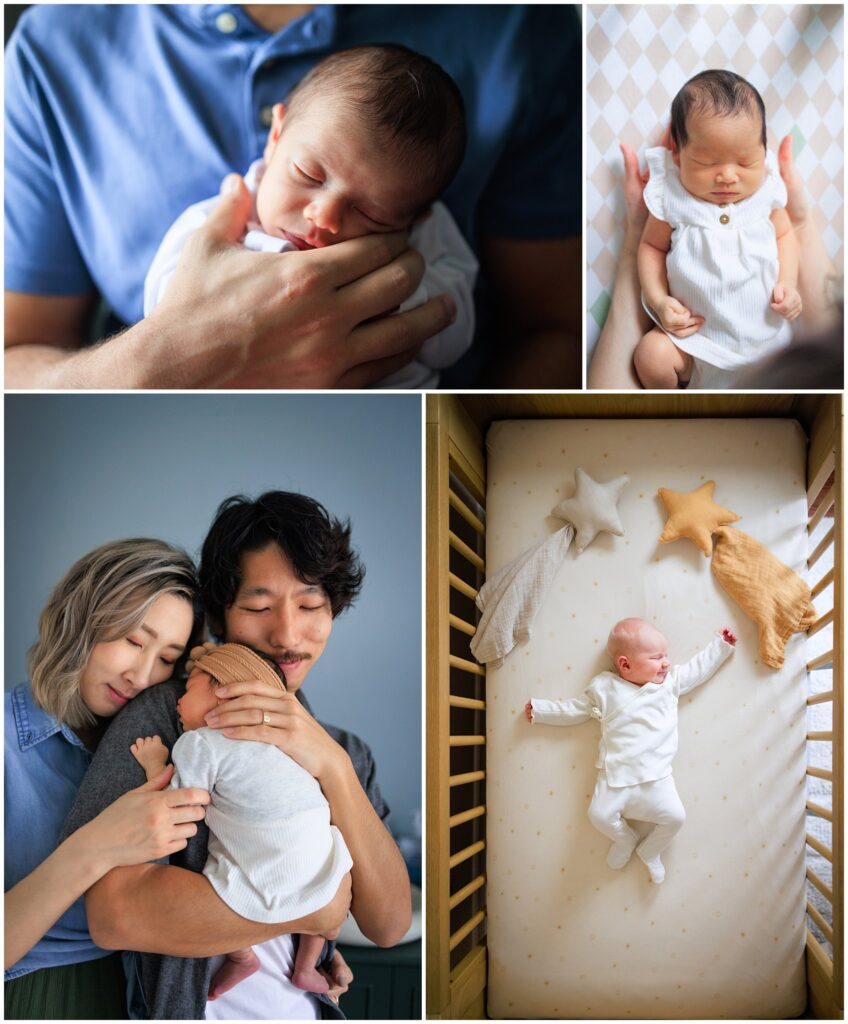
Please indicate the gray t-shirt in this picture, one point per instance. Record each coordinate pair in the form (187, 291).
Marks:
(175, 987)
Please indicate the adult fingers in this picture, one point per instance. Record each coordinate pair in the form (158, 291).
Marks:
(181, 797)
(253, 688)
(384, 288)
(357, 257)
(191, 812)
(796, 202)
(161, 780)
(229, 217)
(402, 332)
(367, 374)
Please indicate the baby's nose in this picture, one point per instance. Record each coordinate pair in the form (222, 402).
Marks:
(325, 214)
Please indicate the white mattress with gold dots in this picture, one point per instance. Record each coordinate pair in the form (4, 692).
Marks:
(723, 936)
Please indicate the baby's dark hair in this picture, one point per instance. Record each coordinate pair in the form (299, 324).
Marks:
(404, 99)
(722, 93)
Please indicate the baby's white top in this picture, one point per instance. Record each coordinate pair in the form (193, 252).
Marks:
(273, 854)
(638, 723)
(722, 265)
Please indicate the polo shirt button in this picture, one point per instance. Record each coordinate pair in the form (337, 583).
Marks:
(226, 22)
(724, 219)
(266, 116)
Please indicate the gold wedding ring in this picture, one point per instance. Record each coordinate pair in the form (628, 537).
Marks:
(266, 718)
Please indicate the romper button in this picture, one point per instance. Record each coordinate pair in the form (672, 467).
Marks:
(266, 116)
(724, 219)
(722, 206)
(226, 22)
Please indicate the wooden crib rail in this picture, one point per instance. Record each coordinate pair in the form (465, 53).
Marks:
(456, 706)
(825, 493)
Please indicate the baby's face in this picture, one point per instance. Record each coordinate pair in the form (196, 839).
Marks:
(326, 181)
(724, 159)
(198, 700)
(646, 659)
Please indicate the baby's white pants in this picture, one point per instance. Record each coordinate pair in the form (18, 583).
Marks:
(654, 802)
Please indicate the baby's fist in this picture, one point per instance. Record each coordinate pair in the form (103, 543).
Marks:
(528, 710)
(728, 637)
(786, 301)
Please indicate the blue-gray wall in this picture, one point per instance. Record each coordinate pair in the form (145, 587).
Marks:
(83, 469)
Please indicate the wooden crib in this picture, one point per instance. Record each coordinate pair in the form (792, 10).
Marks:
(456, 976)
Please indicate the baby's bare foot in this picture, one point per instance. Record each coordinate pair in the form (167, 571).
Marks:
(309, 979)
(238, 966)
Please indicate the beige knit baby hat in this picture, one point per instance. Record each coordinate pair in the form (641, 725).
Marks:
(232, 663)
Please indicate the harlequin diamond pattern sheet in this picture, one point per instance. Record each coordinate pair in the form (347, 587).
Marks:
(637, 59)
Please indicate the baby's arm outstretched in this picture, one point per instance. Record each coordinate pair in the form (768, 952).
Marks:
(786, 299)
(654, 247)
(561, 712)
(705, 663)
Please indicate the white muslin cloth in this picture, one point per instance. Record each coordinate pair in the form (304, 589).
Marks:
(638, 723)
(722, 265)
(510, 598)
(451, 268)
(273, 854)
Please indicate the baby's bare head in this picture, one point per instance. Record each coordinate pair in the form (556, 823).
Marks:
(629, 635)
(715, 94)
(409, 107)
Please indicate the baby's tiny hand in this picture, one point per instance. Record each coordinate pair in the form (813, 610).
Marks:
(149, 749)
(729, 637)
(528, 710)
(676, 318)
(786, 301)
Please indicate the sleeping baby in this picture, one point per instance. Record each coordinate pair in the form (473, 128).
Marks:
(273, 854)
(365, 145)
(718, 259)
(637, 708)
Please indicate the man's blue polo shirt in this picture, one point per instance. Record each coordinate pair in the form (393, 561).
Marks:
(44, 763)
(119, 117)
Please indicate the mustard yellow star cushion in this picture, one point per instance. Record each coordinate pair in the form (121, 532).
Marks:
(695, 515)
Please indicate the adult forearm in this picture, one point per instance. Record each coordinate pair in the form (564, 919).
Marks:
(381, 901)
(817, 279)
(612, 361)
(39, 900)
(155, 908)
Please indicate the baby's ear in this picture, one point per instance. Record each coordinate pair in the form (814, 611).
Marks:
(278, 114)
(675, 153)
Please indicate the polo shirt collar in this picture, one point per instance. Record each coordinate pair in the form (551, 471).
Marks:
(33, 724)
(313, 30)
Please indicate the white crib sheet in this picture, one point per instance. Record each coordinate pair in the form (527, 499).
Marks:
(723, 936)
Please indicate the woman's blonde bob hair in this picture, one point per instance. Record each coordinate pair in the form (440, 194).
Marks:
(103, 597)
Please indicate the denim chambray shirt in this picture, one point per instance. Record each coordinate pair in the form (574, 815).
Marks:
(44, 766)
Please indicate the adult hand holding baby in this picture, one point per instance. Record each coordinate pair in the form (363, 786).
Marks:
(306, 327)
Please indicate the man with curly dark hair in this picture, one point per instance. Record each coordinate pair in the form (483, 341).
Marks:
(275, 572)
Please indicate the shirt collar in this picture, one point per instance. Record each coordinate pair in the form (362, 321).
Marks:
(315, 29)
(33, 724)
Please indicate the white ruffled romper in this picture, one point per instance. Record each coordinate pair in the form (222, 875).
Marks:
(723, 265)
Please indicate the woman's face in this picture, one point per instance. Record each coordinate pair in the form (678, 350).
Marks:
(119, 670)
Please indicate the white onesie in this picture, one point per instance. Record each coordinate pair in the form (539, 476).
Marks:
(722, 265)
(637, 747)
(273, 854)
(451, 268)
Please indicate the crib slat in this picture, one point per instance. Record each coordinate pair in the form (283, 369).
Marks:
(820, 698)
(820, 848)
(823, 737)
(466, 702)
(824, 927)
(820, 773)
(823, 507)
(819, 811)
(465, 779)
(466, 513)
(466, 929)
(467, 741)
(463, 816)
(822, 584)
(462, 894)
(459, 545)
(467, 853)
(824, 889)
(822, 661)
(465, 665)
(461, 624)
(821, 547)
(461, 586)
(821, 622)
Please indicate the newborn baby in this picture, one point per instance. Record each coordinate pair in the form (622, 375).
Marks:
(637, 709)
(718, 259)
(366, 143)
(273, 854)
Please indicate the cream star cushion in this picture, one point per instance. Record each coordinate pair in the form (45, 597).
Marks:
(695, 515)
(593, 509)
